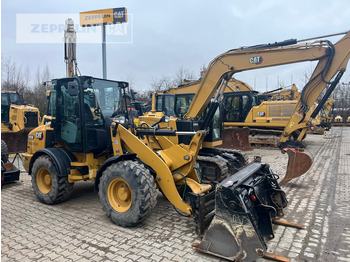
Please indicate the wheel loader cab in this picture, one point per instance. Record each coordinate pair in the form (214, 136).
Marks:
(83, 110)
(8, 99)
(5, 108)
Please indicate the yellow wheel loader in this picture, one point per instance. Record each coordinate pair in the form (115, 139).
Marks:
(17, 120)
(92, 136)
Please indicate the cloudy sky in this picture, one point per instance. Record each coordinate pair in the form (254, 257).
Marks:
(166, 35)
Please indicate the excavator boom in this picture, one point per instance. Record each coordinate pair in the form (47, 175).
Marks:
(332, 61)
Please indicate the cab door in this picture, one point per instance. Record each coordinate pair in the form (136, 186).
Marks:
(67, 116)
(237, 106)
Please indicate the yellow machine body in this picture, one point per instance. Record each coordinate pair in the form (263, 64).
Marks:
(17, 119)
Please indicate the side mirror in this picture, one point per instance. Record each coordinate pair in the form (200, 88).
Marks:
(123, 85)
(163, 119)
(133, 94)
(73, 88)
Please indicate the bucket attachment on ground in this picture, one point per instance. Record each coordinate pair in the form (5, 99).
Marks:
(236, 138)
(9, 172)
(245, 205)
(299, 162)
(16, 141)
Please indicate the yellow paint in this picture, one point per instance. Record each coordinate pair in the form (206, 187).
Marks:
(96, 17)
(43, 180)
(119, 195)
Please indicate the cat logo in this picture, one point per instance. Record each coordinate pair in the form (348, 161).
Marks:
(256, 60)
(39, 135)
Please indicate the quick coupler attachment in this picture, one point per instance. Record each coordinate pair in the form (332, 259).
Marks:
(245, 205)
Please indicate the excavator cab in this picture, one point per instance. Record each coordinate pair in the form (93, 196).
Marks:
(238, 104)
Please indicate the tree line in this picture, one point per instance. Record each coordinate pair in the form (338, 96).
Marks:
(16, 78)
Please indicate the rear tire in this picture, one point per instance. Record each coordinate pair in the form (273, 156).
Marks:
(48, 186)
(127, 193)
(4, 152)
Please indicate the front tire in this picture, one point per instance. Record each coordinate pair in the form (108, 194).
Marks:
(127, 193)
(48, 186)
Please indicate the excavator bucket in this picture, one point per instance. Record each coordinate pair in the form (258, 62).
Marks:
(236, 138)
(299, 162)
(16, 141)
(245, 206)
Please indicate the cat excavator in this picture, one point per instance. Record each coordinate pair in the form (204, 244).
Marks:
(278, 105)
(332, 61)
(285, 94)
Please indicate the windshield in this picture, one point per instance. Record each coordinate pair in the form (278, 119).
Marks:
(165, 103)
(182, 103)
(15, 99)
(109, 96)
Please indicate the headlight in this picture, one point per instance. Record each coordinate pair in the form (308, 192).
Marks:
(167, 119)
(119, 119)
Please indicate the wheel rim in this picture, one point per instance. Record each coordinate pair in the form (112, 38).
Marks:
(43, 180)
(119, 195)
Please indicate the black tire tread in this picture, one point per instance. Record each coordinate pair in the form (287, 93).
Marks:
(61, 188)
(145, 185)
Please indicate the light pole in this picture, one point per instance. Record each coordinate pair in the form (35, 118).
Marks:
(102, 18)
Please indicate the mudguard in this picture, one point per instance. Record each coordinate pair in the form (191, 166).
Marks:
(60, 156)
(245, 205)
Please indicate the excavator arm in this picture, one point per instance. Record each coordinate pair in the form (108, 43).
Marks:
(234, 85)
(328, 67)
(287, 52)
(332, 61)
